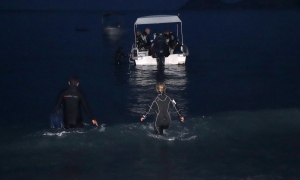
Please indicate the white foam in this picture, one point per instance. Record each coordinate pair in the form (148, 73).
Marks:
(62, 133)
(161, 137)
(55, 134)
(102, 128)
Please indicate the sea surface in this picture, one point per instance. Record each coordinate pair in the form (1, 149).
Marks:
(239, 92)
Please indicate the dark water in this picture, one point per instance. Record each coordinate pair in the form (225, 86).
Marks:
(239, 93)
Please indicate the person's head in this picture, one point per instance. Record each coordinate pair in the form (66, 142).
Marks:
(74, 81)
(147, 30)
(138, 33)
(167, 32)
(161, 88)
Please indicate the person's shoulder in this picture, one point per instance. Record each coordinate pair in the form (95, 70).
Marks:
(80, 91)
(168, 97)
(63, 90)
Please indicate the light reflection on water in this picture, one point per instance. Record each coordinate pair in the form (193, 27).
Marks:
(143, 80)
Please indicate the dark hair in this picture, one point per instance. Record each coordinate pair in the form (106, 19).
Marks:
(74, 80)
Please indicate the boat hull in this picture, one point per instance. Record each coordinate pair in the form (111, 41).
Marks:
(171, 59)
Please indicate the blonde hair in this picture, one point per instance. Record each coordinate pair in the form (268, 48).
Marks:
(161, 88)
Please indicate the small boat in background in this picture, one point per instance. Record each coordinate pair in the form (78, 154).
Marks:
(114, 25)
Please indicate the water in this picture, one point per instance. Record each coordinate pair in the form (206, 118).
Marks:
(239, 93)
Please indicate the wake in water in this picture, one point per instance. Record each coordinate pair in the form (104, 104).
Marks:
(170, 135)
(251, 143)
(177, 131)
(63, 132)
(186, 131)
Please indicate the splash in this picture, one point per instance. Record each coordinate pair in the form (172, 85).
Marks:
(102, 128)
(63, 133)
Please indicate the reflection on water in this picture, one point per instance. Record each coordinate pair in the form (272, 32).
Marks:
(114, 26)
(143, 79)
(114, 35)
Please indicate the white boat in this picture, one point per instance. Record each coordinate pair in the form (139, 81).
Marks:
(142, 57)
(114, 25)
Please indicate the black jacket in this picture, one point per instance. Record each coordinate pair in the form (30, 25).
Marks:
(147, 39)
(72, 99)
(172, 40)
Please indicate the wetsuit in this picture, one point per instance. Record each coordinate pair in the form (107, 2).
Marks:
(72, 99)
(140, 42)
(160, 46)
(146, 38)
(172, 40)
(161, 106)
(119, 55)
(177, 49)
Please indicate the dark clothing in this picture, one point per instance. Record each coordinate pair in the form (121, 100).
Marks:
(177, 49)
(146, 38)
(72, 99)
(160, 47)
(119, 55)
(172, 40)
(140, 42)
(161, 106)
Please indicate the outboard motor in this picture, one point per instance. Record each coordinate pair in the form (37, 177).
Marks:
(161, 49)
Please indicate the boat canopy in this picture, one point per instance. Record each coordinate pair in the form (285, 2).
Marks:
(157, 19)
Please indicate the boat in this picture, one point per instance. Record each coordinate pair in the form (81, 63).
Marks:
(147, 56)
(113, 25)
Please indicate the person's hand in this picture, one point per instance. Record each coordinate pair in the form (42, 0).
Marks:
(142, 119)
(182, 119)
(95, 122)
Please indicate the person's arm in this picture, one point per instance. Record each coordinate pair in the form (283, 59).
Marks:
(177, 110)
(124, 55)
(87, 109)
(148, 111)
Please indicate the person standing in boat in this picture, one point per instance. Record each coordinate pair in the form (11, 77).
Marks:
(171, 39)
(139, 40)
(147, 40)
(161, 105)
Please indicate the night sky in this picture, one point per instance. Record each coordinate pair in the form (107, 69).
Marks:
(95, 4)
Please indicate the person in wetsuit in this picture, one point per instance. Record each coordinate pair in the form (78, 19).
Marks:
(160, 47)
(119, 55)
(161, 106)
(140, 41)
(71, 99)
(172, 39)
(146, 38)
